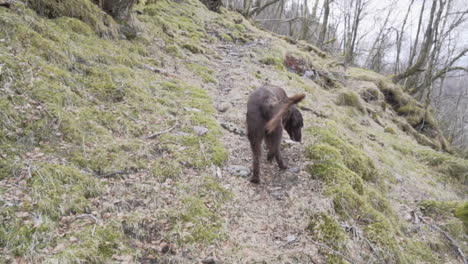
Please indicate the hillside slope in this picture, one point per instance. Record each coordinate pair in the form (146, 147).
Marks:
(123, 150)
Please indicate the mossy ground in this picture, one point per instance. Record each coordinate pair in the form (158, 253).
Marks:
(76, 107)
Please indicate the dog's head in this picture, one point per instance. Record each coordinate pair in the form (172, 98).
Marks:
(290, 116)
(293, 124)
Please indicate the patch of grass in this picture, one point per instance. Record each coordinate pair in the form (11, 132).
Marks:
(455, 167)
(350, 98)
(324, 228)
(382, 233)
(354, 158)
(419, 251)
(107, 241)
(194, 48)
(173, 50)
(204, 72)
(60, 190)
(328, 167)
(198, 221)
(390, 130)
(364, 74)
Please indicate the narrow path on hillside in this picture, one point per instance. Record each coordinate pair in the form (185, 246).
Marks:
(265, 222)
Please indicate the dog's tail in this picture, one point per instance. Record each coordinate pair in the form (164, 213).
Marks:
(278, 117)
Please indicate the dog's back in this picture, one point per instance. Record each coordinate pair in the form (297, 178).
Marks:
(263, 103)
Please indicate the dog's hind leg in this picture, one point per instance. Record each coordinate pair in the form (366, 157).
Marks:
(273, 142)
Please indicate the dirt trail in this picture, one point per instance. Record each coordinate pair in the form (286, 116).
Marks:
(265, 222)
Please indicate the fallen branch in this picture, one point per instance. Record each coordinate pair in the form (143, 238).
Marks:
(446, 235)
(92, 217)
(161, 132)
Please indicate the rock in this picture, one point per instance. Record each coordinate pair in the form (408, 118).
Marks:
(233, 128)
(310, 74)
(223, 107)
(190, 109)
(289, 141)
(398, 178)
(278, 195)
(291, 238)
(293, 170)
(238, 170)
(200, 130)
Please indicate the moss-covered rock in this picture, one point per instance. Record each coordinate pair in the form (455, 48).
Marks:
(84, 10)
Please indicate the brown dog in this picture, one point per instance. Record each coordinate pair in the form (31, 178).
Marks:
(269, 109)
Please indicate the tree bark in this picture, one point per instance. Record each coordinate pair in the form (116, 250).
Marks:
(323, 29)
(423, 55)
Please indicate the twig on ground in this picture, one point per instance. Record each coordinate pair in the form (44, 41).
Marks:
(92, 217)
(446, 235)
(161, 132)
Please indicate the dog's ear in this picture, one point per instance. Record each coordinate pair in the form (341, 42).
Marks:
(278, 117)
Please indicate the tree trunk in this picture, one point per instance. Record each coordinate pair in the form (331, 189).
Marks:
(423, 55)
(399, 40)
(323, 29)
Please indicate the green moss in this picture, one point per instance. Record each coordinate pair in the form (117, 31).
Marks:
(173, 50)
(414, 113)
(204, 72)
(346, 201)
(107, 241)
(364, 74)
(382, 233)
(18, 236)
(440, 209)
(418, 251)
(336, 174)
(193, 48)
(166, 169)
(456, 168)
(60, 190)
(324, 228)
(350, 98)
(390, 130)
(461, 211)
(225, 37)
(354, 158)
(84, 10)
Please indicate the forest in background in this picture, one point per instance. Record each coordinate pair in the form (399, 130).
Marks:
(422, 44)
